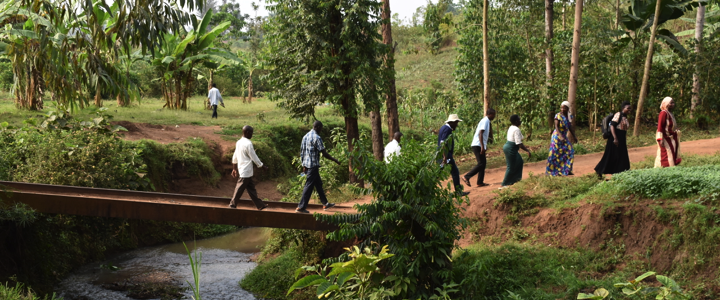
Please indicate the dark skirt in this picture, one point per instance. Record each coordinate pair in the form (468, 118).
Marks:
(514, 161)
(615, 159)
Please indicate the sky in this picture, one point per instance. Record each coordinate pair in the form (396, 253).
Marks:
(405, 8)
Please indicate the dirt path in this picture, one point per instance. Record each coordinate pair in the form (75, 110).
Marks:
(584, 164)
(176, 134)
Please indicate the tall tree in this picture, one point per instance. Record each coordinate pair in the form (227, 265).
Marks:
(699, 24)
(391, 107)
(486, 59)
(326, 51)
(637, 18)
(575, 60)
(549, 57)
(61, 48)
(646, 70)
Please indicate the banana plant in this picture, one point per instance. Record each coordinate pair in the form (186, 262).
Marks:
(641, 14)
(180, 55)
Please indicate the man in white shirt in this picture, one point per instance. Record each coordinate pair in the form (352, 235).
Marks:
(243, 169)
(479, 148)
(213, 97)
(393, 147)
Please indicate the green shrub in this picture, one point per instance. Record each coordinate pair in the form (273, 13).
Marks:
(19, 292)
(79, 158)
(272, 279)
(677, 182)
(6, 76)
(194, 157)
(532, 272)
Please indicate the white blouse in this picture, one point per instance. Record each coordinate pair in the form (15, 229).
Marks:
(514, 135)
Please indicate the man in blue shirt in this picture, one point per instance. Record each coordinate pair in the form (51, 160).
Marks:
(446, 144)
(479, 148)
(310, 149)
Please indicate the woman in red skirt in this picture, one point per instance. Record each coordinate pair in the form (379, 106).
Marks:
(667, 136)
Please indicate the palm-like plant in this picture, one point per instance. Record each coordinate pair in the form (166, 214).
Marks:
(178, 58)
(64, 48)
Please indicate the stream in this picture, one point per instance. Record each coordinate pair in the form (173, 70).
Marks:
(225, 261)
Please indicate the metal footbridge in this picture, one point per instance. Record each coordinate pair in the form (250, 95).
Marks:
(111, 203)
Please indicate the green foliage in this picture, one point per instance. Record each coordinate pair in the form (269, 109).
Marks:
(635, 288)
(418, 219)
(357, 278)
(339, 45)
(435, 18)
(6, 76)
(677, 182)
(528, 271)
(195, 262)
(19, 292)
(598, 294)
(164, 162)
(272, 279)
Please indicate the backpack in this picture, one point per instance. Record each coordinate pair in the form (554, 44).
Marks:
(606, 126)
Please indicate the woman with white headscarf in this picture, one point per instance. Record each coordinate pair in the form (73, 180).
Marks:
(667, 136)
(562, 154)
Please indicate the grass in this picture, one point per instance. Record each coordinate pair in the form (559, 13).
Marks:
(261, 111)
(420, 70)
(19, 292)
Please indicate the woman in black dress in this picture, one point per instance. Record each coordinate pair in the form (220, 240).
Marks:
(616, 159)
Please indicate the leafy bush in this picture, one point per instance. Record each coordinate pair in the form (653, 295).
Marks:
(416, 217)
(19, 292)
(272, 279)
(677, 182)
(531, 272)
(6, 76)
(162, 161)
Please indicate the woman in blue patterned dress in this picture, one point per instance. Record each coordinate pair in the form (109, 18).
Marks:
(560, 159)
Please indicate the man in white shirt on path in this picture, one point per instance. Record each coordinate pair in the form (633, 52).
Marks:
(479, 148)
(214, 96)
(393, 148)
(243, 169)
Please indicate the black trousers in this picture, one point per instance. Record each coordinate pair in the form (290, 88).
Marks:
(478, 169)
(214, 115)
(455, 173)
(241, 186)
(312, 182)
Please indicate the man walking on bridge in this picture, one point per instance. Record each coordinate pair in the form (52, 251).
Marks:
(243, 169)
(310, 149)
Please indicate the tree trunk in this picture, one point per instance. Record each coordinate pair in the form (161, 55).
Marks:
(120, 101)
(98, 95)
(486, 60)
(549, 56)
(250, 89)
(564, 16)
(377, 134)
(391, 100)
(646, 73)
(575, 60)
(617, 15)
(699, 24)
(352, 131)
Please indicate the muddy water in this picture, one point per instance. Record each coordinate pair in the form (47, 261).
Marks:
(225, 261)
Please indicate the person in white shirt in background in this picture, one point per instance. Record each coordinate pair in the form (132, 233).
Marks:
(393, 147)
(243, 169)
(479, 148)
(213, 97)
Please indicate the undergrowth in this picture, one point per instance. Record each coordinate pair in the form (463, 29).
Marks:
(286, 251)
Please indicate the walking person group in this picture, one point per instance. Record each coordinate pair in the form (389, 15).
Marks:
(560, 159)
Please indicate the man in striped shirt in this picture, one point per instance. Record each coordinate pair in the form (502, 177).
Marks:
(310, 149)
